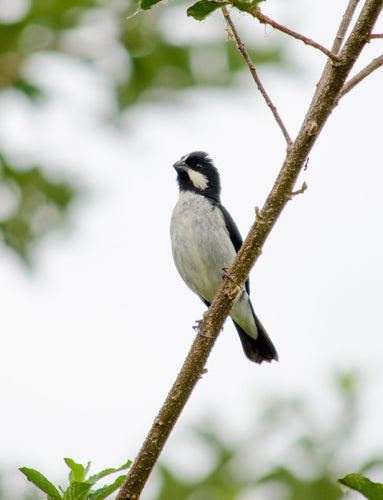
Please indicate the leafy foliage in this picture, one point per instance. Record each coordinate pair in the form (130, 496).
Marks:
(246, 6)
(148, 4)
(38, 204)
(79, 485)
(240, 468)
(158, 67)
(201, 9)
(42, 482)
(144, 41)
(358, 482)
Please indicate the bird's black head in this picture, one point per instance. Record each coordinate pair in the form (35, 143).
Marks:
(196, 172)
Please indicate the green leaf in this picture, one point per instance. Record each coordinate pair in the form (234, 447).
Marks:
(358, 482)
(200, 10)
(106, 472)
(41, 204)
(107, 490)
(77, 471)
(77, 491)
(30, 90)
(148, 4)
(41, 482)
(373, 462)
(87, 468)
(246, 6)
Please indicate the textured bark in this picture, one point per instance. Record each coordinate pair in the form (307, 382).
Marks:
(323, 103)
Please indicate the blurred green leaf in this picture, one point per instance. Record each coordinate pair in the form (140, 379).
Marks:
(77, 491)
(28, 89)
(246, 6)
(40, 204)
(77, 471)
(200, 10)
(106, 472)
(347, 383)
(299, 488)
(104, 492)
(79, 487)
(42, 483)
(148, 4)
(371, 463)
(358, 482)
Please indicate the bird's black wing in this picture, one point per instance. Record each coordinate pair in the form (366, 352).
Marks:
(234, 234)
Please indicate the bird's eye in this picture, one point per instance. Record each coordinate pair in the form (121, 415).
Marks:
(197, 166)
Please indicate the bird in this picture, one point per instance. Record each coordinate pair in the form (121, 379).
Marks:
(205, 241)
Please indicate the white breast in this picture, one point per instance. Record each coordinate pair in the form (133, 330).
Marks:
(201, 244)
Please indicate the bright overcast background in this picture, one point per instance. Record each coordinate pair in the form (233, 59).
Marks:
(93, 337)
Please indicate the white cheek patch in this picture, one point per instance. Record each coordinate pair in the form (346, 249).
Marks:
(199, 180)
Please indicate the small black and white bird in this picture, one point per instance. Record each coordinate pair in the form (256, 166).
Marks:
(205, 241)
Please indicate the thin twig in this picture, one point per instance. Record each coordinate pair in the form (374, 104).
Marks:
(374, 64)
(299, 191)
(255, 76)
(267, 20)
(346, 20)
(338, 40)
(376, 35)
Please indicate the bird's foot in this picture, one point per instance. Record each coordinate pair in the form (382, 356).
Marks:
(226, 275)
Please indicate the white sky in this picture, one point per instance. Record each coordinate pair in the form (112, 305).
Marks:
(94, 337)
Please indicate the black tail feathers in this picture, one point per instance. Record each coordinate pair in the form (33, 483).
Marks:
(259, 349)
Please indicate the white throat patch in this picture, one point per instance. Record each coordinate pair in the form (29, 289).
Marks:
(200, 181)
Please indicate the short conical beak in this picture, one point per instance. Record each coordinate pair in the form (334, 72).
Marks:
(180, 166)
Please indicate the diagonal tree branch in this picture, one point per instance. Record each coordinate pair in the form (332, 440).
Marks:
(320, 109)
(255, 76)
(308, 41)
(374, 65)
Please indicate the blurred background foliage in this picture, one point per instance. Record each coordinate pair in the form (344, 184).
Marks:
(138, 54)
(317, 447)
(32, 205)
(318, 452)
